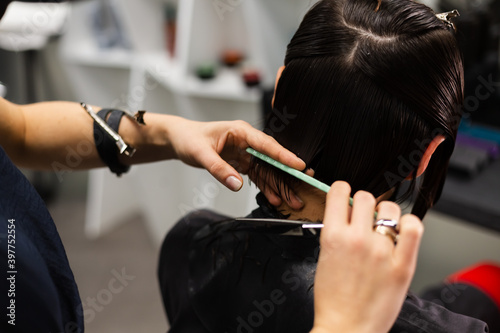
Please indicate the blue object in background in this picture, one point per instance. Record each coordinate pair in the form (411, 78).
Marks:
(480, 132)
(490, 147)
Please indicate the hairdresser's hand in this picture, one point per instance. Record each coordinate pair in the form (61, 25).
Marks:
(220, 147)
(362, 278)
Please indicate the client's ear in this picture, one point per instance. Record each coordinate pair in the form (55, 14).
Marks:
(424, 162)
(278, 75)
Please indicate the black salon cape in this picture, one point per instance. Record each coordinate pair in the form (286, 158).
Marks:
(46, 296)
(217, 275)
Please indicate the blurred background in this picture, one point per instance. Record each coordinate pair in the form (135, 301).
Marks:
(213, 60)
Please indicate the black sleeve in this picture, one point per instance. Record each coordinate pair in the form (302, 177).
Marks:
(418, 315)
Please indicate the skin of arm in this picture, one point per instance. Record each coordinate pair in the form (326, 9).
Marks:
(45, 134)
(37, 135)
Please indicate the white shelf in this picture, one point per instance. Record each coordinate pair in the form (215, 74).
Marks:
(228, 84)
(146, 77)
(162, 68)
(89, 56)
(79, 47)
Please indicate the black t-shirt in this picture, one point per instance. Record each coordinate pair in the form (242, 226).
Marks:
(38, 290)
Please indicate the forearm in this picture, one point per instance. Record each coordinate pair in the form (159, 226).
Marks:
(60, 135)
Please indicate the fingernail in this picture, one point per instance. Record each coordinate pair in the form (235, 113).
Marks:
(233, 183)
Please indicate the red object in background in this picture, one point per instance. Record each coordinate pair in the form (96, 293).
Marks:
(251, 77)
(232, 58)
(170, 31)
(485, 276)
(170, 27)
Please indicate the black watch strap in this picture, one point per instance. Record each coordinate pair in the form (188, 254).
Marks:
(106, 146)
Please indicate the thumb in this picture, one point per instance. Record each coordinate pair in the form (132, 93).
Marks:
(221, 170)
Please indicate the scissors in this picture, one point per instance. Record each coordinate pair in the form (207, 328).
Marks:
(266, 222)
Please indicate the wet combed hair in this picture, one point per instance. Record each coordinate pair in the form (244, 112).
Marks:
(364, 92)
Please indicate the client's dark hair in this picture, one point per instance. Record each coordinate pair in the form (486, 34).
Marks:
(364, 91)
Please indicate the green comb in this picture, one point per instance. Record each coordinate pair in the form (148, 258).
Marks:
(296, 173)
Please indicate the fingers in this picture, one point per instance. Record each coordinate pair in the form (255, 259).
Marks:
(265, 144)
(335, 220)
(410, 235)
(310, 172)
(221, 170)
(293, 200)
(273, 198)
(269, 188)
(362, 212)
(388, 210)
(337, 207)
(244, 135)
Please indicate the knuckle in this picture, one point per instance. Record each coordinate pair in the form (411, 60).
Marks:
(390, 207)
(357, 243)
(365, 198)
(380, 253)
(342, 186)
(237, 126)
(413, 226)
(329, 239)
(402, 274)
(242, 124)
(339, 188)
(216, 168)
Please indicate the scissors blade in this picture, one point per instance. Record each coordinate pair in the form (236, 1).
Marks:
(280, 222)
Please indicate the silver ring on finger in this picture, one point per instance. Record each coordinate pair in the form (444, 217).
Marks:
(387, 231)
(390, 223)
